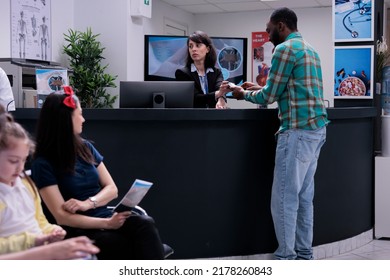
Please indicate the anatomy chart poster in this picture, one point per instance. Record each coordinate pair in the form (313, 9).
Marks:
(353, 20)
(261, 57)
(31, 29)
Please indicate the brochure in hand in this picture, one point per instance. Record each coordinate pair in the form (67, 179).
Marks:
(134, 195)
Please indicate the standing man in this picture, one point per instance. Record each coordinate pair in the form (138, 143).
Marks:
(295, 83)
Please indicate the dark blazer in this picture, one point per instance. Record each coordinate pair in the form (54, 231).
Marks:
(214, 80)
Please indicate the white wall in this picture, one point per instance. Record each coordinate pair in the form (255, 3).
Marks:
(138, 27)
(62, 19)
(109, 20)
(123, 35)
(120, 34)
(5, 28)
(315, 24)
(162, 11)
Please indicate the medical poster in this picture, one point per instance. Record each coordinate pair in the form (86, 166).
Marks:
(353, 20)
(48, 81)
(261, 57)
(353, 72)
(31, 29)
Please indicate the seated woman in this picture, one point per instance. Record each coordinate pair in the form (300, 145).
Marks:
(76, 186)
(200, 68)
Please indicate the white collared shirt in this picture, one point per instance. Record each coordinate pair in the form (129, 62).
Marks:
(203, 79)
(17, 210)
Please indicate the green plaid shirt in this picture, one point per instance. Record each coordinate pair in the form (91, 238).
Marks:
(295, 82)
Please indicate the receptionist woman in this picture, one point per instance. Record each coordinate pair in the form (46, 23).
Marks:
(200, 68)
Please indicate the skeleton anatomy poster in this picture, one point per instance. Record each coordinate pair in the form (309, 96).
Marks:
(31, 29)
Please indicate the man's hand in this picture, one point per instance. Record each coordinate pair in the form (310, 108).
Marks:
(250, 86)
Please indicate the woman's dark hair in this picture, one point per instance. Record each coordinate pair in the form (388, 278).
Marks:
(211, 56)
(55, 139)
(286, 16)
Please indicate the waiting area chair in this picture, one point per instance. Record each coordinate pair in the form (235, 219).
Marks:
(138, 210)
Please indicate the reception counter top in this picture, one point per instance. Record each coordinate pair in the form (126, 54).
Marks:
(213, 169)
(197, 114)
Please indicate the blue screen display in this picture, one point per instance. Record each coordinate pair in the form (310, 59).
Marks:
(165, 54)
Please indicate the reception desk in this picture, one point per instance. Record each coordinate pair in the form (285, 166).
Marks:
(212, 172)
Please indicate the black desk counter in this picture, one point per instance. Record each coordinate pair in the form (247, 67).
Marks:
(212, 172)
(196, 114)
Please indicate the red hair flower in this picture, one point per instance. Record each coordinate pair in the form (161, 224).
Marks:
(69, 101)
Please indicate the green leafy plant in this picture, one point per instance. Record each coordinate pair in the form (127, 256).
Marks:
(88, 77)
(382, 57)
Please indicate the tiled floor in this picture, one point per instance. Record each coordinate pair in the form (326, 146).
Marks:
(374, 250)
(360, 247)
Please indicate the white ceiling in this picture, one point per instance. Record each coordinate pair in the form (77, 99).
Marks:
(225, 6)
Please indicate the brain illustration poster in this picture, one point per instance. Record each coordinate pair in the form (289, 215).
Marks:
(49, 81)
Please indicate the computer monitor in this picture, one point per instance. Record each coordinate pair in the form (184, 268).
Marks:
(156, 94)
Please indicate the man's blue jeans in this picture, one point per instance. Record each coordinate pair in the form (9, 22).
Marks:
(296, 158)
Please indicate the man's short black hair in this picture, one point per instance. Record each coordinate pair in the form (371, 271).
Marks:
(286, 16)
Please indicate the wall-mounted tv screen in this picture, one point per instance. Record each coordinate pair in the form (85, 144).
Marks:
(164, 54)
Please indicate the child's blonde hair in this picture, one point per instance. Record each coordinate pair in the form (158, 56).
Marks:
(10, 128)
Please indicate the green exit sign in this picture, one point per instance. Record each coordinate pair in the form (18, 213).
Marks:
(146, 2)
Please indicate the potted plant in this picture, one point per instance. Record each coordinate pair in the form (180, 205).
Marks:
(88, 77)
(382, 58)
